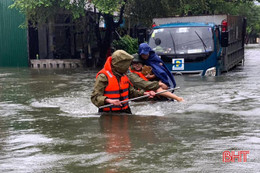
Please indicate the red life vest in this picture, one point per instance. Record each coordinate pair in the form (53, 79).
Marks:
(140, 74)
(115, 89)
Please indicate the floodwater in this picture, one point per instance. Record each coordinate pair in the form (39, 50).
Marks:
(48, 124)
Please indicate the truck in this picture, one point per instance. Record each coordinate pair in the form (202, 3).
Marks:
(202, 45)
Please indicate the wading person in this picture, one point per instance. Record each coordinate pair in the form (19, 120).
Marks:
(159, 69)
(113, 86)
(141, 82)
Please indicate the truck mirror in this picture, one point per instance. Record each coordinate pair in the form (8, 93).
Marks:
(224, 39)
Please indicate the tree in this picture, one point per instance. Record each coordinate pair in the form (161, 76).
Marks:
(126, 43)
(143, 12)
(253, 20)
(107, 9)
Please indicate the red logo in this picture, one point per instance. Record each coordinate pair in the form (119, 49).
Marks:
(232, 156)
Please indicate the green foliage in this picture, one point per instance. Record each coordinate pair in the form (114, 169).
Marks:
(143, 11)
(108, 6)
(140, 12)
(35, 10)
(253, 19)
(39, 11)
(127, 44)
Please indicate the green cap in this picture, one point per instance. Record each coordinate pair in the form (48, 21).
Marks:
(137, 58)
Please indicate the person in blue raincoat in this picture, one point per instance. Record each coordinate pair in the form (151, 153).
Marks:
(158, 67)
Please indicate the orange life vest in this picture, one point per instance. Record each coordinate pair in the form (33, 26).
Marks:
(115, 89)
(140, 74)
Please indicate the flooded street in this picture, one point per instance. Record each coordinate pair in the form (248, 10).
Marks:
(48, 124)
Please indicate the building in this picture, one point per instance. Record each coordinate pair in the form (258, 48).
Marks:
(60, 43)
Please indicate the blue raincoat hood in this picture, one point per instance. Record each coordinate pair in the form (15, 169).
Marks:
(144, 48)
(159, 68)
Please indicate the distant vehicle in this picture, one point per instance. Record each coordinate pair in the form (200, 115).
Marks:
(204, 45)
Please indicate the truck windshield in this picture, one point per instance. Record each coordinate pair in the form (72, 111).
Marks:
(182, 40)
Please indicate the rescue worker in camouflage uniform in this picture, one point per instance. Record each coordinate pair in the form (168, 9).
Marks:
(113, 86)
(140, 82)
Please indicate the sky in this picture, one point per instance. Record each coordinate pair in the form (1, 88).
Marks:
(257, 3)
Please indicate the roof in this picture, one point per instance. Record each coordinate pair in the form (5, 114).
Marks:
(188, 24)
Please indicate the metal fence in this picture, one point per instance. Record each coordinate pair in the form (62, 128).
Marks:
(13, 40)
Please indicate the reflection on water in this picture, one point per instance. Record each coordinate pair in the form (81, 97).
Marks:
(118, 143)
(48, 124)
